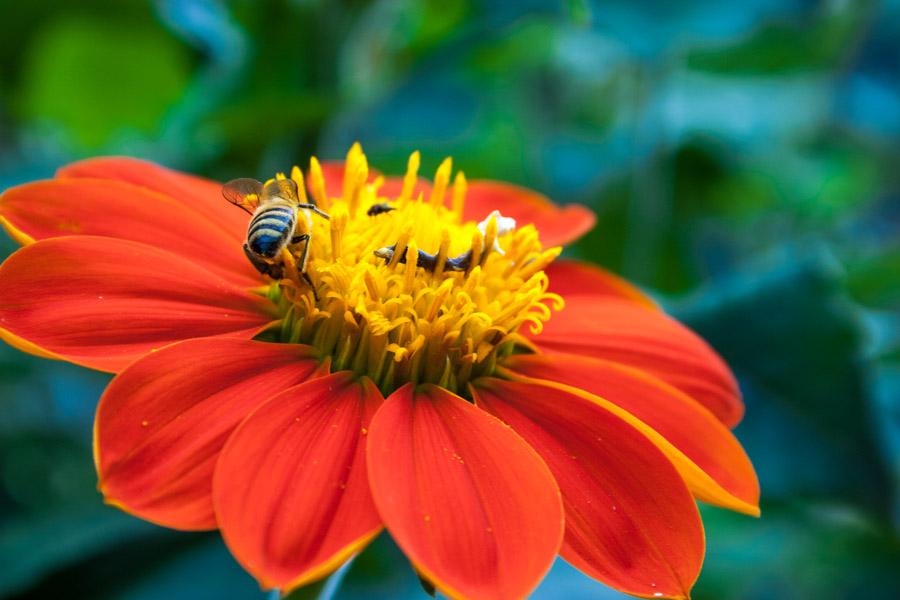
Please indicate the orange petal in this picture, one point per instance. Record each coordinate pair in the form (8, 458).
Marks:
(468, 501)
(557, 224)
(202, 195)
(102, 302)
(162, 422)
(291, 492)
(705, 452)
(333, 172)
(574, 278)
(630, 520)
(63, 207)
(624, 332)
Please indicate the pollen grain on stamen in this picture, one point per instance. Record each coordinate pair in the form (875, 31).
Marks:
(414, 294)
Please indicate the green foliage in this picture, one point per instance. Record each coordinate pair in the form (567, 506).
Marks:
(90, 76)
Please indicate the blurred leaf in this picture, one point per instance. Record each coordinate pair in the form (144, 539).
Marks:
(313, 591)
(798, 551)
(875, 281)
(31, 547)
(380, 571)
(95, 77)
(579, 11)
(42, 471)
(637, 237)
(565, 582)
(241, 119)
(795, 342)
(388, 37)
(94, 551)
(203, 569)
(777, 48)
(523, 46)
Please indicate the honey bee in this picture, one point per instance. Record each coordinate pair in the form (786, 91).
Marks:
(428, 261)
(275, 207)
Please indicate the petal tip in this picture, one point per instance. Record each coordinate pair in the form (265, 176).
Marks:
(328, 566)
(19, 236)
(20, 343)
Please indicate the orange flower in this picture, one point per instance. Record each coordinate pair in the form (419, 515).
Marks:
(491, 406)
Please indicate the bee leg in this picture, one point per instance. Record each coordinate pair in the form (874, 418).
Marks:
(309, 282)
(460, 263)
(304, 237)
(315, 209)
(273, 271)
(276, 272)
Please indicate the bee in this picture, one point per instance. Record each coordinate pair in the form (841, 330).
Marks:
(379, 209)
(428, 261)
(462, 262)
(275, 207)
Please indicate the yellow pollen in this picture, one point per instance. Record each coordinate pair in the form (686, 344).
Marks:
(441, 179)
(411, 294)
(409, 181)
(297, 176)
(317, 184)
(459, 194)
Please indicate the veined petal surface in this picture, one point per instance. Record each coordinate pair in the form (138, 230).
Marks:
(630, 520)
(102, 302)
(574, 278)
(468, 501)
(162, 422)
(83, 206)
(202, 195)
(291, 491)
(622, 331)
(703, 450)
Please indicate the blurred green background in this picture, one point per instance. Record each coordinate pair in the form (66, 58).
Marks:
(743, 159)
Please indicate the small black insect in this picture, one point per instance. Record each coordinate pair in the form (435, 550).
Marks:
(428, 261)
(379, 209)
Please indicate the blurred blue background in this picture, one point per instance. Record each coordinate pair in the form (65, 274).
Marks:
(743, 159)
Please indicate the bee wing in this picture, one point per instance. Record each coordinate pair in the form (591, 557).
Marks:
(243, 192)
(281, 188)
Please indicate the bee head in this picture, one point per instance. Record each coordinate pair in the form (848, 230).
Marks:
(386, 253)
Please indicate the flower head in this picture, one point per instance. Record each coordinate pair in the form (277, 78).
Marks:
(420, 361)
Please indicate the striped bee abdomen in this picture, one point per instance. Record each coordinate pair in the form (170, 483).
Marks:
(269, 230)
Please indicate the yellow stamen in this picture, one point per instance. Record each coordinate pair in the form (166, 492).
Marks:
(477, 249)
(356, 172)
(441, 179)
(297, 176)
(460, 185)
(410, 179)
(412, 256)
(413, 294)
(338, 225)
(350, 166)
(442, 255)
(490, 236)
(317, 184)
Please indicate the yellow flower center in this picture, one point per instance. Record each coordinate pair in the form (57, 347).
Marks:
(404, 289)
